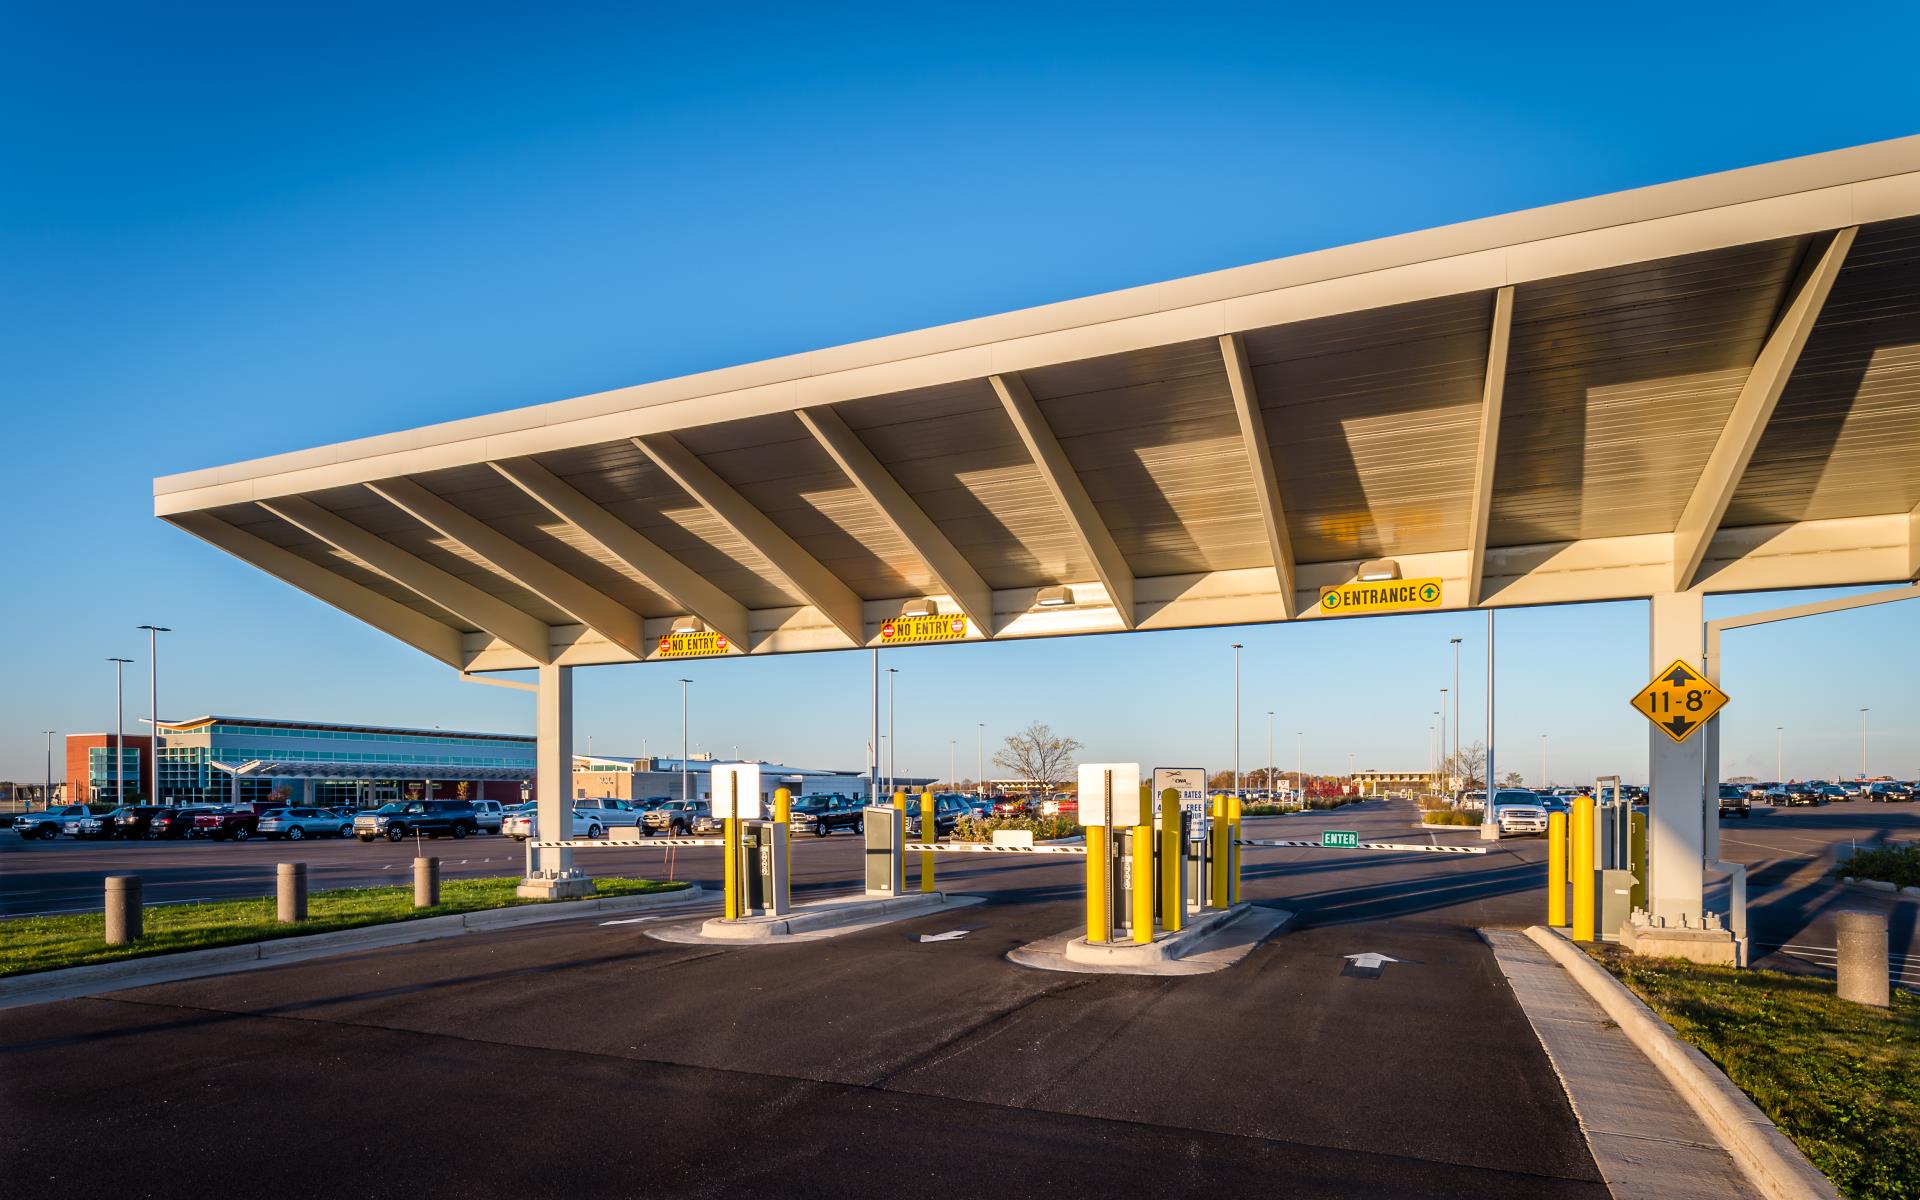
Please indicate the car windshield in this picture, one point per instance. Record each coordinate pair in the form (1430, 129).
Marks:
(391, 808)
(1507, 797)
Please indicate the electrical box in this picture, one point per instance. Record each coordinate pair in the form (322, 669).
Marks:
(1110, 795)
(886, 868)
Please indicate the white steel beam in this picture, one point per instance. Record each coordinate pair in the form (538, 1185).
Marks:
(1061, 479)
(1700, 520)
(682, 585)
(956, 575)
(432, 637)
(1488, 448)
(567, 592)
(1266, 480)
(521, 630)
(1913, 543)
(821, 587)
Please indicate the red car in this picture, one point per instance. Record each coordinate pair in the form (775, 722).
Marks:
(1011, 806)
(222, 824)
(175, 822)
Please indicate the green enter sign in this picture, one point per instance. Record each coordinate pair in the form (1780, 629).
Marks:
(1340, 839)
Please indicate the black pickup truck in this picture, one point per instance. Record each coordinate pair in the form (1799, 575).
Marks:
(824, 814)
(428, 818)
(1733, 801)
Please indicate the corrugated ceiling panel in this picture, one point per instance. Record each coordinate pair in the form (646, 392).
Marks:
(1619, 383)
(775, 463)
(1845, 438)
(1153, 438)
(1373, 418)
(956, 453)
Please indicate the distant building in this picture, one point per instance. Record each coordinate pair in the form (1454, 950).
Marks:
(216, 759)
(93, 778)
(1375, 783)
(624, 777)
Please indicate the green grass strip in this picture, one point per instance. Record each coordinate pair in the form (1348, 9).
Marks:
(1841, 1079)
(46, 943)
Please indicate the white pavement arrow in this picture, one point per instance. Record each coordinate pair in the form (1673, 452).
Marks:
(1370, 961)
(627, 921)
(948, 936)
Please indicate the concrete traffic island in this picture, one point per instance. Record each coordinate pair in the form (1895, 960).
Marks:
(1211, 941)
(813, 919)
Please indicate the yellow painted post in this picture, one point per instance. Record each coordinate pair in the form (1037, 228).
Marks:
(1583, 882)
(1217, 842)
(1233, 847)
(1143, 880)
(730, 830)
(929, 833)
(1099, 916)
(1557, 869)
(1172, 912)
(783, 816)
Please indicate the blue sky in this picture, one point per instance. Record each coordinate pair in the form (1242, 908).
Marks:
(228, 232)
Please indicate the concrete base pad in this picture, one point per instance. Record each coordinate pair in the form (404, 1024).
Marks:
(1714, 946)
(813, 920)
(570, 888)
(1201, 949)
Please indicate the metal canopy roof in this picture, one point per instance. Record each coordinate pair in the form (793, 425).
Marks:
(1713, 383)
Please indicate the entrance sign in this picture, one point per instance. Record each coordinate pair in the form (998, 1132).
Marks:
(1339, 839)
(1110, 794)
(1679, 701)
(736, 792)
(902, 631)
(1190, 782)
(1392, 595)
(692, 645)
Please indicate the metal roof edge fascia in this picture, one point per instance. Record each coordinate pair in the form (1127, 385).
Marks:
(1878, 181)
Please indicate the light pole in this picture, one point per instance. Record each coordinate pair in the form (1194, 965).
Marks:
(46, 796)
(1270, 787)
(1543, 760)
(873, 736)
(1779, 753)
(1236, 719)
(1863, 743)
(980, 767)
(953, 763)
(1299, 765)
(686, 781)
(1443, 728)
(1489, 828)
(893, 742)
(119, 733)
(1454, 761)
(153, 703)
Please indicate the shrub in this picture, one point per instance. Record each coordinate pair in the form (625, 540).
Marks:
(980, 829)
(1897, 863)
(1450, 817)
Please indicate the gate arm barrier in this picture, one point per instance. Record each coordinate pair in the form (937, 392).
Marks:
(1406, 846)
(610, 844)
(984, 848)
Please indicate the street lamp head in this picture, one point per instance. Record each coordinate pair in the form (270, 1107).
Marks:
(154, 628)
(120, 660)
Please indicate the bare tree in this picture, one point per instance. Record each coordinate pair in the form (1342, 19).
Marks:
(1037, 756)
(1469, 766)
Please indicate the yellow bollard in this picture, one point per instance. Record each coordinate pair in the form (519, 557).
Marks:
(1557, 869)
(783, 815)
(1220, 853)
(730, 830)
(1172, 912)
(1233, 847)
(1099, 916)
(1143, 880)
(1583, 880)
(929, 833)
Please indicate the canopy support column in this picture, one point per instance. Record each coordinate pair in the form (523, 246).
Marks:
(551, 875)
(1677, 780)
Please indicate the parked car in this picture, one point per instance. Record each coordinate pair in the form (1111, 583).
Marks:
(1898, 793)
(93, 824)
(1060, 804)
(1012, 806)
(981, 806)
(175, 822)
(428, 818)
(821, 815)
(489, 814)
(343, 818)
(1516, 812)
(609, 813)
(947, 811)
(676, 818)
(37, 827)
(1473, 801)
(234, 823)
(1760, 791)
(295, 824)
(1734, 802)
(523, 822)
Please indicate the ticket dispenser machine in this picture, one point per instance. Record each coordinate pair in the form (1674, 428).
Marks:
(1613, 840)
(756, 850)
(886, 870)
(1110, 807)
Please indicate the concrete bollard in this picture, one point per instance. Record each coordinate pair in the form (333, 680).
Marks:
(426, 882)
(290, 891)
(124, 913)
(1863, 956)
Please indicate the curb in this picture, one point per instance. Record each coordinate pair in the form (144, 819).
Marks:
(1880, 885)
(1168, 947)
(69, 982)
(1768, 1157)
(842, 912)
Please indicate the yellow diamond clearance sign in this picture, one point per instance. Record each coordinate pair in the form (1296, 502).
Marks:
(905, 631)
(1679, 701)
(692, 645)
(1387, 595)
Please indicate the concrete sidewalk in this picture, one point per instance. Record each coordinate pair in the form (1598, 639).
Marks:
(1646, 1140)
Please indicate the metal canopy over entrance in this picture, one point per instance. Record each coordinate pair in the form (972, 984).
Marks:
(1706, 385)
